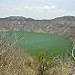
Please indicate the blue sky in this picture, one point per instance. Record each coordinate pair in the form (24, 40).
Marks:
(37, 9)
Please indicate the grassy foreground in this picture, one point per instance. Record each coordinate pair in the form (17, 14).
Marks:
(13, 60)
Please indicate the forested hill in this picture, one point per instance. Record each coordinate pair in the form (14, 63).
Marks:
(64, 26)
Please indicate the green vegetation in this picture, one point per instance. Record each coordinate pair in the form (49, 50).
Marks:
(34, 42)
(15, 61)
(45, 62)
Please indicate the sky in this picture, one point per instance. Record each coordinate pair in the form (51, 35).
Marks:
(37, 9)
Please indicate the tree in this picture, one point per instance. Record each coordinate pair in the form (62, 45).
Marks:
(45, 62)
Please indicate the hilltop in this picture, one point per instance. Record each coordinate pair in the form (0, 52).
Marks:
(64, 26)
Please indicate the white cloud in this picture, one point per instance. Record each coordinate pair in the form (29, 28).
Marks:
(41, 0)
(37, 12)
(53, 7)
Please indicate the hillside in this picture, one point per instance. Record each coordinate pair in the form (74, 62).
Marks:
(64, 26)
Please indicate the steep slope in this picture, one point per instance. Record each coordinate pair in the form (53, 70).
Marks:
(64, 26)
